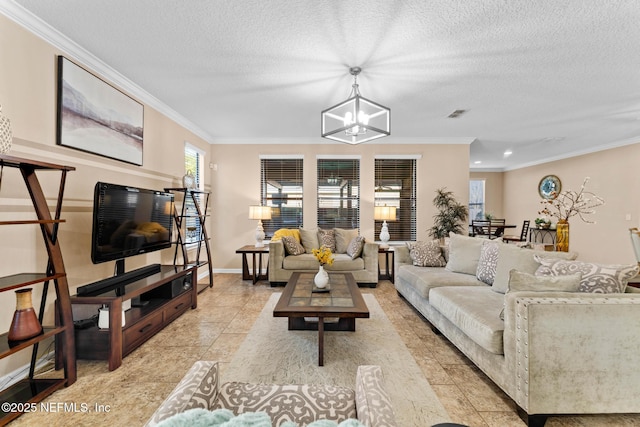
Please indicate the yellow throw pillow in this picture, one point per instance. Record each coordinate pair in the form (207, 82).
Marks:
(292, 232)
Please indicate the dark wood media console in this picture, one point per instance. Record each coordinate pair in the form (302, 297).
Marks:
(163, 297)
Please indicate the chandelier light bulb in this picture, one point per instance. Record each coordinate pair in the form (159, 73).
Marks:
(348, 118)
(363, 118)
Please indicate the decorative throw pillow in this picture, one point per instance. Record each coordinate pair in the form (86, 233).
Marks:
(596, 278)
(343, 238)
(464, 253)
(488, 262)
(519, 281)
(426, 254)
(327, 238)
(293, 232)
(292, 246)
(354, 250)
(511, 257)
(309, 239)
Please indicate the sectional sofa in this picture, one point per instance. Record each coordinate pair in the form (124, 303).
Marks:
(557, 336)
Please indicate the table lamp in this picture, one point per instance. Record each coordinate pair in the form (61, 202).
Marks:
(384, 213)
(259, 213)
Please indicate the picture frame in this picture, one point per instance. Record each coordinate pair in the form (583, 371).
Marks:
(95, 117)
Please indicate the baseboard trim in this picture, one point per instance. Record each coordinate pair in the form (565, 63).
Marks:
(22, 372)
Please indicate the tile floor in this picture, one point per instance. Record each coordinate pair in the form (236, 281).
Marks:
(214, 331)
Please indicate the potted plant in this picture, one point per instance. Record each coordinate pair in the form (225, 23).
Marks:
(543, 223)
(451, 216)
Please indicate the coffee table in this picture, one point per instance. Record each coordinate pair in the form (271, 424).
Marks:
(308, 309)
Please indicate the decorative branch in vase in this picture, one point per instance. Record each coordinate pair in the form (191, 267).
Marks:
(567, 204)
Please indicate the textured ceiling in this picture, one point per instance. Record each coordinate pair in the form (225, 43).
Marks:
(545, 79)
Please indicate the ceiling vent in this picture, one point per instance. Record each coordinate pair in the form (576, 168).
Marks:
(456, 113)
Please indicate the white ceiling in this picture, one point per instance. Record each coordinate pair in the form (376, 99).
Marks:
(545, 79)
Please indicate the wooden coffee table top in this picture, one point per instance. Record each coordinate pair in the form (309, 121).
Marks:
(343, 300)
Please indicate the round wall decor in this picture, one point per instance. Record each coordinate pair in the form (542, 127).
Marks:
(549, 187)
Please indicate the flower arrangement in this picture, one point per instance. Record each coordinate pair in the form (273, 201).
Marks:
(571, 203)
(323, 255)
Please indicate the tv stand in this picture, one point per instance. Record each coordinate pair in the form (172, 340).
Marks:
(164, 296)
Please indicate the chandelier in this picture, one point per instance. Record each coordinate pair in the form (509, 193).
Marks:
(357, 119)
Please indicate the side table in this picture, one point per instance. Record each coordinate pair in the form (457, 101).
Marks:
(256, 275)
(389, 273)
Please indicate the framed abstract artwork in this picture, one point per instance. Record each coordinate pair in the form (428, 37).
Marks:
(95, 117)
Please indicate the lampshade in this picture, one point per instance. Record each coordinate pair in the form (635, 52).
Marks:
(357, 119)
(259, 212)
(384, 213)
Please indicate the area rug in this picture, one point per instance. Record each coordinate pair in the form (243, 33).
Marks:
(273, 354)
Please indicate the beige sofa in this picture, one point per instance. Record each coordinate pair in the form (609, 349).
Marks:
(555, 352)
(302, 404)
(364, 267)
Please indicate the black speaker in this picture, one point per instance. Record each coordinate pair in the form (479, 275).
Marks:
(171, 289)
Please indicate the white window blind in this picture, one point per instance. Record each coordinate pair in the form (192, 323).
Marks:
(338, 193)
(395, 185)
(281, 189)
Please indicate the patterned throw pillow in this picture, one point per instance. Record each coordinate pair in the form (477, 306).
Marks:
(426, 254)
(354, 250)
(596, 278)
(292, 246)
(488, 262)
(327, 238)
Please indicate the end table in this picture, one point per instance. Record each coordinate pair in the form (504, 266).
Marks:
(389, 273)
(257, 266)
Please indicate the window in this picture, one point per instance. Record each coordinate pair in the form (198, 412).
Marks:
(339, 193)
(281, 188)
(476, 199)
(395, 185)
(193, 160)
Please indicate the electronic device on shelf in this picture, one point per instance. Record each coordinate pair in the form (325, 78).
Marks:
(129, 221)
(118, 281)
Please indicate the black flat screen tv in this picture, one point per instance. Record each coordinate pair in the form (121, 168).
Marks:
(129, 221)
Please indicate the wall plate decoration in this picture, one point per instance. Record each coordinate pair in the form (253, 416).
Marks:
(95, 117)
(549, 187)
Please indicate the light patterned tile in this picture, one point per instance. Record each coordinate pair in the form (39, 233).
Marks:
(217, 328)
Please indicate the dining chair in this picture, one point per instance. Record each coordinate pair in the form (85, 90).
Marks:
(480, 227)
(496, 228)
(523, 234)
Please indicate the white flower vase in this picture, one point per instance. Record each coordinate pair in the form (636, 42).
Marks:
(322, 278)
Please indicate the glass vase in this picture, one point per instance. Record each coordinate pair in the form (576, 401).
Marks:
(562, 236)
(25, 323)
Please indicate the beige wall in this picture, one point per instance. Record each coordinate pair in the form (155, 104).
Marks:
(236, 185)
(613, 176)
(28, 96)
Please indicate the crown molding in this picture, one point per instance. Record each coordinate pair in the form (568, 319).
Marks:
(576, 153)
(318, 140)
(83, 57)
